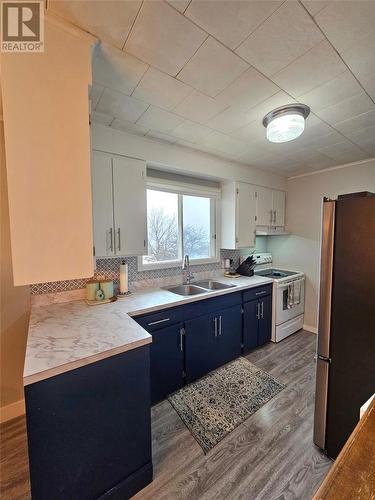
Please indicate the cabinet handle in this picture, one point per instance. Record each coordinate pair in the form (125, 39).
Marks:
(261, 293)
(181, 339)
(215, 325)
(159, 321)
(261, 309)
(119, 239)
(258, 310)
(220, 326)
(111, 239)
(274, 216)
(271, 216)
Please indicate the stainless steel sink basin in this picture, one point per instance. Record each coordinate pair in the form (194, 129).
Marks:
(186, 290)
(213, 285)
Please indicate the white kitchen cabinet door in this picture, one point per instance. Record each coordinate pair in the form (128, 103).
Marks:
(263, 206)
(278, 205)
(130, 206)
(102, 200)
(245, 215)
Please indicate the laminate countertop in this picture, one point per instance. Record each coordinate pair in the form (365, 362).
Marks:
(63, 337)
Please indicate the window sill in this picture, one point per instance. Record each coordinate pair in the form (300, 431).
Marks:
(174, 263)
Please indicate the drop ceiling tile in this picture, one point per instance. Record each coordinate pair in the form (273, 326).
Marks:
(344, 23)
(153, 134)
(192, 132)
(95, 94)
(315, 6)
(224, 143)
(228, 21)
(285, 35)
(110, 21)
(344, 152)
(159, 120)
(117, 70)
(368, 83)
(161, 89)
(248, 89)
(102, 118)
(314, 68)
(121, 106)
(163, 37)
(360, 56)
(180, 5)
(332, 92)
(235, 117)
(126, 126)
(212, 68)
(356, 124)
(199, 107)
(346, 109)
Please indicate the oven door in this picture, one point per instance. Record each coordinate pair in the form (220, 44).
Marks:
(286, 302)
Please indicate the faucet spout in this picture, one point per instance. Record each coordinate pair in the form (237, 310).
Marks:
(187, 275)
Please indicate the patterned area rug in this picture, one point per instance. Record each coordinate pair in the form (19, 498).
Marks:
(216, 404)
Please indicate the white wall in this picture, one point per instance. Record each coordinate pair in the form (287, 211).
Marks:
(301, 250)
(180, 159)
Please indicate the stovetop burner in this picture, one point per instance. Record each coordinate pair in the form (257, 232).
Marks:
(274, 273)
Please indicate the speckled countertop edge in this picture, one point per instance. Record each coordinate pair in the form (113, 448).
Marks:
(67, 336)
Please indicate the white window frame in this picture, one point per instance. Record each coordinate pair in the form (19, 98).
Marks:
(189, 190)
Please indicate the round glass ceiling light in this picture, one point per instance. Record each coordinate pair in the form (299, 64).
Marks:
(286, 123)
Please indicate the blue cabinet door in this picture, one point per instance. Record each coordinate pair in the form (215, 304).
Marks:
(166, 362)
(265, 320)
(229, 334)
(250, 325)
(201, 346)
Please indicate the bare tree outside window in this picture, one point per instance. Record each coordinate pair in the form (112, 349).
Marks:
(163, 218)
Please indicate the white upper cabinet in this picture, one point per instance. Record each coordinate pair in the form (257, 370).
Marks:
(130, 206)
(119, 205)
(238, 215)
(102, 198)
(278, 207)
(270, 207)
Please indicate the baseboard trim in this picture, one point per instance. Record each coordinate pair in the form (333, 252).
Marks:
(12, 411)
(311, 329)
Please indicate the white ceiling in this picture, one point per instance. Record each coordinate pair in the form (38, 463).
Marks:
(203, 74)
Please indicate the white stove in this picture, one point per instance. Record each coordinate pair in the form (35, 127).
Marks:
(288, 305)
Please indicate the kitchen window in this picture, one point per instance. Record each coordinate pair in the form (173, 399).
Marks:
(179, 222)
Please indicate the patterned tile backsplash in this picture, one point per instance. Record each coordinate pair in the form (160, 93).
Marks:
(137, 279)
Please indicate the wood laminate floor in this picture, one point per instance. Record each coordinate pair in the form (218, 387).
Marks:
(270, 456)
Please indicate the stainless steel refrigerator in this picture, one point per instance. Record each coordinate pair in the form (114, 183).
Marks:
(345, 374)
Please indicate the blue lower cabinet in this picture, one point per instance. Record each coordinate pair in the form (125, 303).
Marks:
(229, 334)
(250, 325)
(201, 346)
(89, 430)
(265, 320)
(257, 322)
(211, 341)
(167, 361)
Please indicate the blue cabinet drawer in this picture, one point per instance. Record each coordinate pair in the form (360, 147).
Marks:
(206, 306)
(160, 319)
(257, 292)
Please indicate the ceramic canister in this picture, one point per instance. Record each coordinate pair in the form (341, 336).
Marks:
(92, 287)
(107, 287)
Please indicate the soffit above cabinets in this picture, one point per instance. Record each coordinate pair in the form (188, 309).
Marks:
(203, 73)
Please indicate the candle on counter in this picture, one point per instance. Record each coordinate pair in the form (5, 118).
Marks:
(107, 288)
(92, 287)
(124, 285)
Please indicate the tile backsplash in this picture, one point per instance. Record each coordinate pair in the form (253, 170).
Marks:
(137, 279)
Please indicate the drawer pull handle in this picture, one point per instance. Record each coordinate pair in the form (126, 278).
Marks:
(260, 293)
(159, 321)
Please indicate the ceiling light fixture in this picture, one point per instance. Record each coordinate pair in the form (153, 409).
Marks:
(286, 123)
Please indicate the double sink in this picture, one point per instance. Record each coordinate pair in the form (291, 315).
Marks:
(199, 287)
